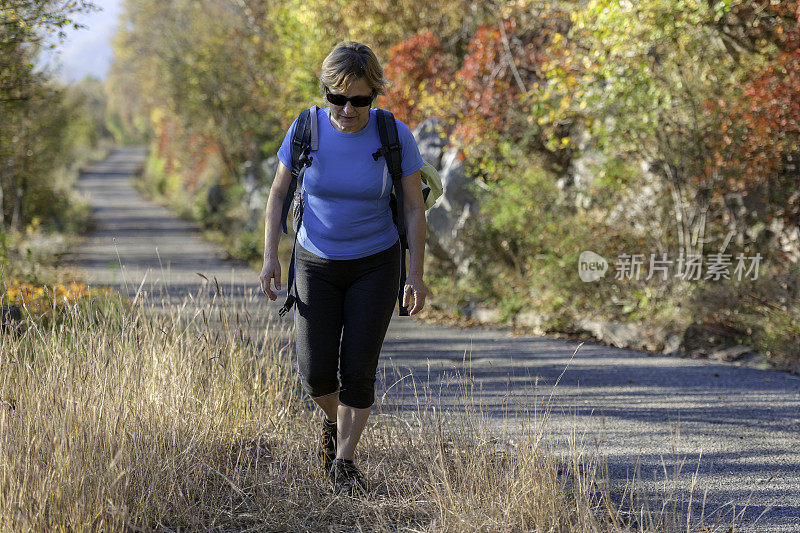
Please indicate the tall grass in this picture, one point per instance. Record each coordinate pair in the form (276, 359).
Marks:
(116, 417)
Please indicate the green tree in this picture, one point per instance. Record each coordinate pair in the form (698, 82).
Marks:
(638, 75)
(31, 116)
(208, 67)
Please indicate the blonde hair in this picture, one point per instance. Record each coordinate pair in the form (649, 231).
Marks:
(348, 61)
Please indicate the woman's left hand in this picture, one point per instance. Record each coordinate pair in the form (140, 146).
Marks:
(415, 287)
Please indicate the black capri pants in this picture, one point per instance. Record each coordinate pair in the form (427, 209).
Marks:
(342, 312)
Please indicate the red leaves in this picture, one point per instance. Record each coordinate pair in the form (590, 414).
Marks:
(486, 83)
(481, 100)
(413, 62)
(761, 128)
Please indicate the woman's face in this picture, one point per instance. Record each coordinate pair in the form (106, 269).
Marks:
(348, 118)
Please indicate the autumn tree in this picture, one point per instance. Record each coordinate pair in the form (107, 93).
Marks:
(33, 138)
(24, 27)
(216, 82)
(421, 74)
(758, 152)
(638, 76)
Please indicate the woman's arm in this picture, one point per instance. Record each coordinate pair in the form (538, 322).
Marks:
(272, 230)
(414, 212)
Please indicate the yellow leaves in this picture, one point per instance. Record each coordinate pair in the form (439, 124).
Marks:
(33, 226)
(557, 38)
(44, 299)
(582, 105)
(157, 115)
(305, 15)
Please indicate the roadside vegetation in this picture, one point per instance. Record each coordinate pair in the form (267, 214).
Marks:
(668, 128)
(48, 132)
(114, 418)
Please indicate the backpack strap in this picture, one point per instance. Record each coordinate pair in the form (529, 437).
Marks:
(391, 150)
(304, 140)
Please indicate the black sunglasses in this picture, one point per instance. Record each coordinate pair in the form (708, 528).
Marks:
(341, 100)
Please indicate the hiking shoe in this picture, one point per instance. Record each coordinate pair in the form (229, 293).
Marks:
(347, 478)
(327, 450)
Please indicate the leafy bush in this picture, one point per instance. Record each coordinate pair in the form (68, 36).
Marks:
(765, 311)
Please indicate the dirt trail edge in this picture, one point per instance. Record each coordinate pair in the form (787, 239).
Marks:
(738, 429)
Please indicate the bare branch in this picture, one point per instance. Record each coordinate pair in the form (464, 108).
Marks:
(510, 57)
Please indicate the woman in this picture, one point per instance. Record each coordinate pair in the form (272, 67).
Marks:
(348, 253)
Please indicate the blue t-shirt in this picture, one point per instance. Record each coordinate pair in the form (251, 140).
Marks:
(346, 192)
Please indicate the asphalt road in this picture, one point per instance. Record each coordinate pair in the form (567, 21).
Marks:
(736, 430)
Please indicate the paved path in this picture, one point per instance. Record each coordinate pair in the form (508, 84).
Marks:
(739, 428)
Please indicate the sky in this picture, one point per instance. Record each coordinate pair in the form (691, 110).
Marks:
(86, 51)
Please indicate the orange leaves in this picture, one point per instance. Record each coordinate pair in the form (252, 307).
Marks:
(486, 83)
(419, 69)
(763, 124)
(420, 57)
(45, 299)
(773, 120)
(505, 63)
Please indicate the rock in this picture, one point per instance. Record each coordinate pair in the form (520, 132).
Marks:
(256, 193)
(634, 336)
(268, 169)
(639, 203)
(582, 172)
(619, 334)
(702, 339)
(787, 238)
(530, 319)
(481, 314)
(255, 199)
(487, 314)
(535, 321)
(672, 344)
(732, 353)
(431, 140)
(448, 218)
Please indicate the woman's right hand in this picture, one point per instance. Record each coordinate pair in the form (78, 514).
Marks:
(272, 267)
(270, 271)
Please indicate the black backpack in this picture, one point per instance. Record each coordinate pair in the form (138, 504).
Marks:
(305, 141)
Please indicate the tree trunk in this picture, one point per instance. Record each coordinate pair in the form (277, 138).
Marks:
(17, 211)
(680, 210)
(16, 214)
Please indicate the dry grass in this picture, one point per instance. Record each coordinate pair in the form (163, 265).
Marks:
(113, 418)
